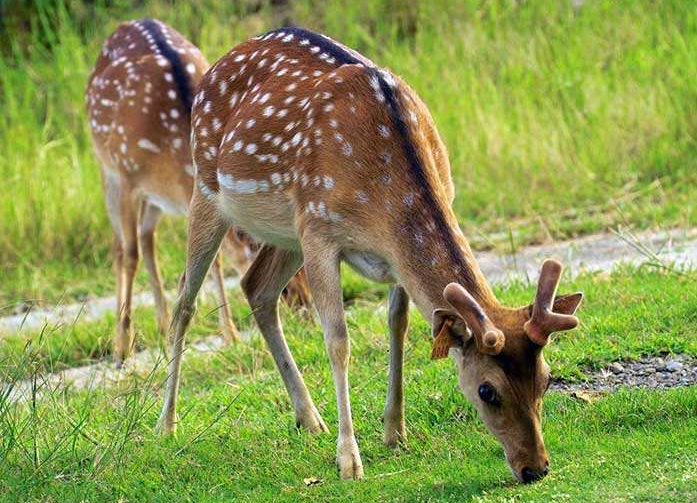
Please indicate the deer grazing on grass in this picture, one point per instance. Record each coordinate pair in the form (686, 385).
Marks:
(324, 157)
(139, 105)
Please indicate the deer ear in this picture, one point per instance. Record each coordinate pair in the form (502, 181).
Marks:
(567, 304)
(448, 330)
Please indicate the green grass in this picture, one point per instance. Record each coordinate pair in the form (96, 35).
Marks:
(237, 440)
(558, 122)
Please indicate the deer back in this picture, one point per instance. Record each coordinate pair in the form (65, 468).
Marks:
(293, 129)
(139, 104)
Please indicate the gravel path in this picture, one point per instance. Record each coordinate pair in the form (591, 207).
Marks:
(651, 373)
(599, 252)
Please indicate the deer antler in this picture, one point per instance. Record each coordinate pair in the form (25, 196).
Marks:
(544, 321)
(490, 340)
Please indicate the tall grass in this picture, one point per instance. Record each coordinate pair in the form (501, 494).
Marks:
(557, 119)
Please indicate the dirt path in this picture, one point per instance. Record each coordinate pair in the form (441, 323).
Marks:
(89, 310)
(89, 377)
(600, 252)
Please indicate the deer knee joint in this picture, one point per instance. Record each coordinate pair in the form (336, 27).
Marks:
(338, 343)
(130, 258)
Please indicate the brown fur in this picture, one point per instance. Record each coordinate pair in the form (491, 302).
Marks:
(315, 151)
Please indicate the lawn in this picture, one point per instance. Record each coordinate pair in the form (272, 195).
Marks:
(238, 440)
(558, 121)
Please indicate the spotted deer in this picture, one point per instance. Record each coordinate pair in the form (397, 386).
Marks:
(324, 157)
(139, 105)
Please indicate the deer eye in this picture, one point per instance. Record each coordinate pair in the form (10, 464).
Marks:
(487, 393)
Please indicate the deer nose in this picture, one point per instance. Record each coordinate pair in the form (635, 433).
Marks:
(529, 475)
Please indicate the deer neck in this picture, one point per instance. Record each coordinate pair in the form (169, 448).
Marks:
(429, 256)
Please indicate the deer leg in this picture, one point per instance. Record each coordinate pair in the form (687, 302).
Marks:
(206, 231)
(297, 292)
(323, 274)
(128, 216)
(227, 327)
(398, 322)
(262, 284)
(151, 215)
(118, 272)
(112, 196)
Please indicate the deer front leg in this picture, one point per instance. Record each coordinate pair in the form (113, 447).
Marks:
(206, 231)
(322, 268)
(398, 322)
(227, 327)
(262, 284)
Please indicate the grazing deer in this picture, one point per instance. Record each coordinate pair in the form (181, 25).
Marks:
(139, 105)
(315, 151)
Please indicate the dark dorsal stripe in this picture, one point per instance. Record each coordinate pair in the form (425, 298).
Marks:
(342, 56)
(421, 181)
(181, 78)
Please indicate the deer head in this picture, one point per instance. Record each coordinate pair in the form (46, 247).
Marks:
(501, 367)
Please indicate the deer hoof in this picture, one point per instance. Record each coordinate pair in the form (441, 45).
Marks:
(395, 435)
(349, 460)
(312, 422)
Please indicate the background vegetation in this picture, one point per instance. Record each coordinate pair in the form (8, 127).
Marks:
(559, 120)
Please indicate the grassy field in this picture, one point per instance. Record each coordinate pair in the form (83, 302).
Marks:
(558, 121)
(238, 441)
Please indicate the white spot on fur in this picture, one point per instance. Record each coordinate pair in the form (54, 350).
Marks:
(361, 196)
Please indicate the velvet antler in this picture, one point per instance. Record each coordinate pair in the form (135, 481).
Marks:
(490, 340)
(544, 321)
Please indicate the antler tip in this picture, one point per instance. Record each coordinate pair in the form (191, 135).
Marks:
(452, 288)
(493, 338)
(552, 265)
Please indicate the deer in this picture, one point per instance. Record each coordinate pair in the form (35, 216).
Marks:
(326, 158)
(139, 105)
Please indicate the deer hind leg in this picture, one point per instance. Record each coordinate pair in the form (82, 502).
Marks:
(398, 322)
(206, 231)
(262, 284)
(150, 217)
(123, 215)
(129, 239)
(112, 197)
(227, 327)
(118, 272)
(323, 274)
